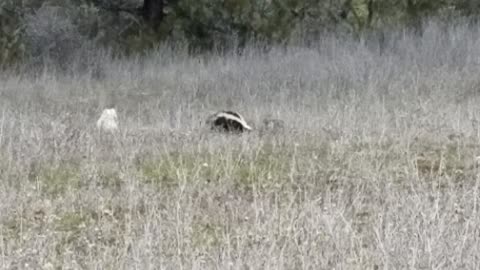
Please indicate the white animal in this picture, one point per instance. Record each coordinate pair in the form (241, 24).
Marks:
(228, 121)
(108, 121)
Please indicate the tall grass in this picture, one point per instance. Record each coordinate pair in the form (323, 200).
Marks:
(375, 168)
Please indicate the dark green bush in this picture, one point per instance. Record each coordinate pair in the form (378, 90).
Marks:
(58, 29)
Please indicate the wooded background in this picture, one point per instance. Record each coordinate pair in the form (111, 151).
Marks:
(35, 29)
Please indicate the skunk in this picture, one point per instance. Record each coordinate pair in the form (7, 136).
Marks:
(228, 121)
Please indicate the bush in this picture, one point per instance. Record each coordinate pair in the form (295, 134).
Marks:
(11, 43)
(52, 37)
(54, 31)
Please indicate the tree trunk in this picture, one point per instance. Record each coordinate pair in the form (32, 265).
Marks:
(152, 11)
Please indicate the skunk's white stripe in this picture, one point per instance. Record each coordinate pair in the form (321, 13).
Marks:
(235, 118)
(232, 117)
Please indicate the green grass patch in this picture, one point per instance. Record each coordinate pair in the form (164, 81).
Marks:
(71, 222)
(265, 166)
(57, 180)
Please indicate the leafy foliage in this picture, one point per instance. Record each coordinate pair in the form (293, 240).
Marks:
(58, 29)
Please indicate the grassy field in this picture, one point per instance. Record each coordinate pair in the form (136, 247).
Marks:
(376, 167)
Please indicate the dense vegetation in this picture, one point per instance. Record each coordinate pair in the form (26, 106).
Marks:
(56, 29)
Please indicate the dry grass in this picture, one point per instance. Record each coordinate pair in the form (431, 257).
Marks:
(373, 170)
